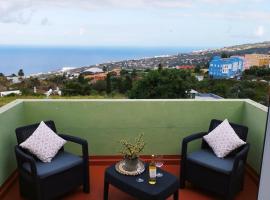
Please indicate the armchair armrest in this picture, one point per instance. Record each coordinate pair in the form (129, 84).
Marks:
(242, 155)
(23, 157)
(77, 140)
(188, 139)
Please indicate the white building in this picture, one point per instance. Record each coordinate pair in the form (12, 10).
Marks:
(14, 79)
(93, 70)
(6, 93)
(199, 77)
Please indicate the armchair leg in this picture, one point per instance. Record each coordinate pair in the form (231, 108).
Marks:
(182, 183)
(86, 184)
(242, 184)
(182, 179)
(86, 188)
(229, 197)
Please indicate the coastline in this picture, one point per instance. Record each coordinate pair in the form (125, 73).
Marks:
(42, 59)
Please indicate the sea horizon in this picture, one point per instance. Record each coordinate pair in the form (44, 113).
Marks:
(42, 59)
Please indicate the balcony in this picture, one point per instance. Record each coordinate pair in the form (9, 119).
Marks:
(104, 122)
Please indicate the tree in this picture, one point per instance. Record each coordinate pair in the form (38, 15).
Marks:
(160, 66)
(197, 69)
(21, 73)
(124, 84)
(167, 83)
(99, 86)
(224, 55)
(82, 80)
(220, 89)
(1, 74)
(75, 87)
(128, 83)
(134, 74)
(108, 83)
(105, 68)
(123, 72)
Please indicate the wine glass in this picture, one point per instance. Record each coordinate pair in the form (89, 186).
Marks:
(159, 161)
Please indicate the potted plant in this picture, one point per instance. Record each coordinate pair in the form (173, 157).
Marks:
(131, 151)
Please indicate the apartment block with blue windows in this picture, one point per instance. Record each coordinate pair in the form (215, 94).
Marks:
(226, 67)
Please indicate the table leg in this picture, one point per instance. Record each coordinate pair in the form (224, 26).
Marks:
(175, 195)
(106, 190)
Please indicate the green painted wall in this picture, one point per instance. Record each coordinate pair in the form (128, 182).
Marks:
(255, 119)
(9, 120)
(103, 124)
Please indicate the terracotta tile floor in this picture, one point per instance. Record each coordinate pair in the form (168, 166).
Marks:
(97, 174)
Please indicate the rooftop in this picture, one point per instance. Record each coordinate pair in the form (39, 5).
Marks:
(96, 184)
(104, 122)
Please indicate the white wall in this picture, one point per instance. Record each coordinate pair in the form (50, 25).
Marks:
(264, 191)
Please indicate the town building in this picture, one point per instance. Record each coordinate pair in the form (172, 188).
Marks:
(186, 67)
(14, 79)
(203, 96)
(95, 74)
(92, 70)
(6, 93)
(226, 67)
(258, 60)
(199, 77)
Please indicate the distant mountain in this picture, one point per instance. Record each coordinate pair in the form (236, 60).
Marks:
(262, 47)
(201, 57)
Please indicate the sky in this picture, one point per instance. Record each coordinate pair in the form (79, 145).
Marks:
(179, 23)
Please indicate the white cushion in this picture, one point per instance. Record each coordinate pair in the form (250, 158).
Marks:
(43, 143)
(223, 139)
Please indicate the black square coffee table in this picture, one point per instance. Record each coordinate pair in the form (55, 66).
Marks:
(165, 186)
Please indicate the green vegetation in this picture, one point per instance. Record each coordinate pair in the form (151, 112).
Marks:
(76, 87)
(261, 72)
(148, 84)
(110, 86)
(163, 83)
(8, 99)
(21, 73)
(224, 55)
(240, 89)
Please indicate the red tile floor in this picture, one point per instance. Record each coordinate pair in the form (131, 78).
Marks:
(97, 175)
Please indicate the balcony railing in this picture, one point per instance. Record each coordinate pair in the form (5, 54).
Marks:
(104, 122)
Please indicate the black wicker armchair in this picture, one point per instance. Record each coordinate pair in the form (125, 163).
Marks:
(42, 181)
(203, 169)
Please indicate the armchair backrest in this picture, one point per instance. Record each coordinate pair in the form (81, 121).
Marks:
(240, 130)
(22, 133)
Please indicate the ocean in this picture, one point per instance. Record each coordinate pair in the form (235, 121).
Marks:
(44, 59)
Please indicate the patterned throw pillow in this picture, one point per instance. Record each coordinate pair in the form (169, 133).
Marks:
(223, 139)
(43, 143)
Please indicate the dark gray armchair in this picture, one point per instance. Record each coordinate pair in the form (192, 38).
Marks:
(204, 169)
(42, 181)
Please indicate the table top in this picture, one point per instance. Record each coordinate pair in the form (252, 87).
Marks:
(165, 185)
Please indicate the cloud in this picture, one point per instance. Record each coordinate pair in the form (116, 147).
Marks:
(259, 31)
(17, 5)
(44, 21)
(15, 11)
(82, 31)
(21, 11)
(238, 15)
(230, 2)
